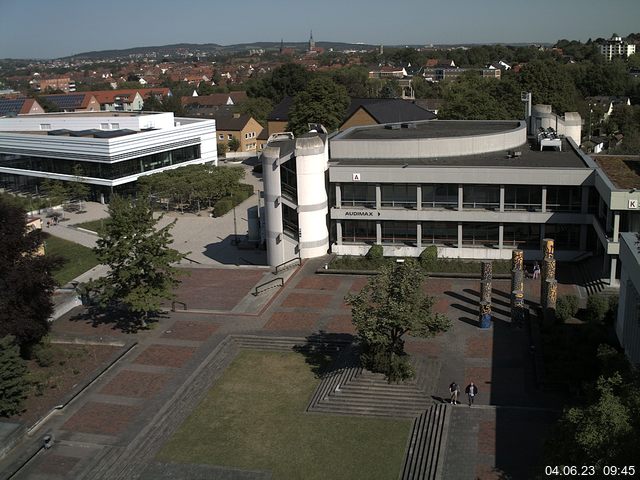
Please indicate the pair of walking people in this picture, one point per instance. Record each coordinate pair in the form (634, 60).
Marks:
(471, 392)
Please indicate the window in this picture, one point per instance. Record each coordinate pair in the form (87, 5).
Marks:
(104, 126)
(481, 196)
(522, 197)
(115, 126)
(440, 233)
(399, 195)
(358, 195)
(358, 231)
(522, 235)
(440, 196)
(45, 126)
(221, 136)
(566, 237)
(564, 199)
(229, 137)
(399, 232)
(480, 234)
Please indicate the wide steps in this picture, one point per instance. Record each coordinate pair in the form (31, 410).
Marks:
(364, 411)
(428, 440)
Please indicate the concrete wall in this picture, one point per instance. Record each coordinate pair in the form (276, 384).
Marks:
(276, 252)
(628, 322)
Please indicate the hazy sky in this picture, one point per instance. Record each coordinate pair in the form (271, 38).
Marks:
(49, 29)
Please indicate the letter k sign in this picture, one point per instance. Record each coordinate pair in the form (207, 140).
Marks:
(633, 203)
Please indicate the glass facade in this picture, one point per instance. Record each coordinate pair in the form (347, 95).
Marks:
(289, 180)
(399, 232)
(440, 233)
(399, 195)
(523, 197)
(566, 237)
(358, 231)
(440, 196)
(109, 171)
(290, 221)
(359, 195)
(482, 196)
(564, 199)
(525, 236)
(480, 234)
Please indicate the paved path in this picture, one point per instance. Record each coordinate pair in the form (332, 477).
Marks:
(114, 413)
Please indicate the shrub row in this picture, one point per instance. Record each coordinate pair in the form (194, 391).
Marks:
(225, 204)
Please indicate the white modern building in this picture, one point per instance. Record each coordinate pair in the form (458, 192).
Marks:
(474, 189)
(112, 149)
(616, 47)
(628, 321)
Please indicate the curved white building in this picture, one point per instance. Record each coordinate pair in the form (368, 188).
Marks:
(296, 203)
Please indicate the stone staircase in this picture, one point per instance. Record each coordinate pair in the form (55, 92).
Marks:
(425, 454)
(586, 271)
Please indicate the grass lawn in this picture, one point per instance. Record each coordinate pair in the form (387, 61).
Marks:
(93, 225)
(78, 258)
(253, 418)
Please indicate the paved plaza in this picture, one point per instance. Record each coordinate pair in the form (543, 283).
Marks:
(115, 428)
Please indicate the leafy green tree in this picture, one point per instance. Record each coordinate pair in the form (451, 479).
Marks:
(26, 283)
(389, 306)
(258, 108)
(285, 81)
(470, 98)
(56, 191)
(323, 101)
(223, 148)
(549, 84)
(78, 190)
(604, 431)
(390, 89)
(234, 144)
(13, 383)
(141, 263)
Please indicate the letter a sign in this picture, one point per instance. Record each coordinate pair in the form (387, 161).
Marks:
(355, 177)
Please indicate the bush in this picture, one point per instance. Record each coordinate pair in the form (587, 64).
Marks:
(567, 307)
(395, 367)
(222, 206)
(597, 308)
(376, 252)
(428, 257)
(612, 314)
(43, 355)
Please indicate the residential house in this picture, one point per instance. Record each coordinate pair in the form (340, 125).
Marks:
(616, 47)
(214, 105)
(63, 83)
(242, 127)
(375, 111)
(73, 102)
(12, 107)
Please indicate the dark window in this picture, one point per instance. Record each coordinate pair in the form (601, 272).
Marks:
(358, 195)
(564, 199)
(358, 231)
(521, 235)
(481, 196)
(523, 197)
(566, 237)
(289, 180)
(290, 221)
(399, 195)
(440, 233)
(399, 232)
(440, 196)
(481, 234)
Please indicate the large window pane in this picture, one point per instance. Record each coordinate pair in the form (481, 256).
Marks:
(440, 233)
(566, 237)
(358, 195)
(523, 197)
(481, 196)
(440, 196)
(400, 195)
(399, 232)
(480, 234)
(521, 235)
(358, 231)
(289, 180)
(564, 199)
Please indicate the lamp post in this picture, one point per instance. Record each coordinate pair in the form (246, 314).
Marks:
(235, 228)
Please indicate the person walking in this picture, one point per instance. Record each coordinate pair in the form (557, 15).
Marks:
(536, 270)
(471, 392)
(454, 390)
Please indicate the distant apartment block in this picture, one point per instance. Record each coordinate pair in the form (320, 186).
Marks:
(616, 47)
(244, 128)
(46, 84)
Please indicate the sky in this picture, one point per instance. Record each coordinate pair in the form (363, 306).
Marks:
(50, 29)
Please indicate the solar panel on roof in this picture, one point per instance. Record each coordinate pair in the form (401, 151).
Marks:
(11, 107)
(66, 101)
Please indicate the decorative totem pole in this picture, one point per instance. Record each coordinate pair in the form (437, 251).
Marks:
(486, 276)
(517, 287)
(548, 283)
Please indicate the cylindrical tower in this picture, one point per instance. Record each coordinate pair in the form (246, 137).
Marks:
(312, 163)
(273, 205)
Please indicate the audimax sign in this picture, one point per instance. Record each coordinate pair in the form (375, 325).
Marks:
(361, 213)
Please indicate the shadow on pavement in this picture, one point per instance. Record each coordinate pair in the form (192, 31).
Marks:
(322, 349)
(227, 252)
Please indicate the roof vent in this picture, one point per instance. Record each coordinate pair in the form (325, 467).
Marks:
(408, 125)
(392, 126)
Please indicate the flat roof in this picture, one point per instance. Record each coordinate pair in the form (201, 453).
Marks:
(530, 157)
(429, 129)
(89, 114)
(622, 170)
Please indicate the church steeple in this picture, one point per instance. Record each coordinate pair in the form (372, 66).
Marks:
(312, 43)
(281, 45)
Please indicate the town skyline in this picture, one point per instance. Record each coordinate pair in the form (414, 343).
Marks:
(82, 27)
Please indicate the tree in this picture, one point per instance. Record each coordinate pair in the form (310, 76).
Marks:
(285, 81)
(323, 101)
(222, 149)
(258, 108)
(13, 383)
(390, 305)
(56, 191)
(141, 262)
(234, 144)
(26, 283)
(390, 89)
(78, 189)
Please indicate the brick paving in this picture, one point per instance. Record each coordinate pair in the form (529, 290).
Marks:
(101, 418)
(165, 355)
(55, 465)
(483, 442)
(129, 383)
